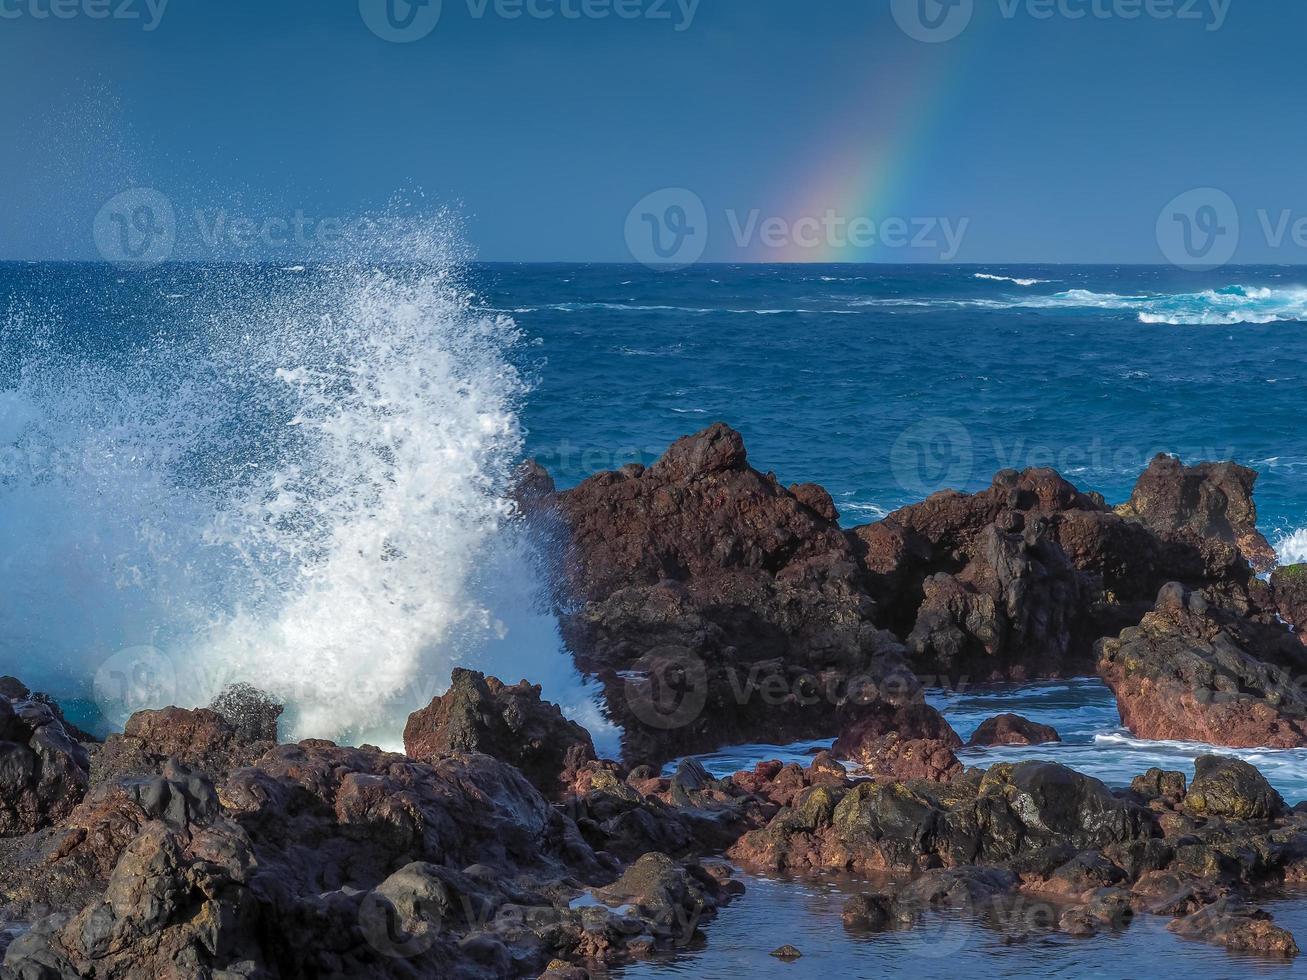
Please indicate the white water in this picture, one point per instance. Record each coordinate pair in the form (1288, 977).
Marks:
(307, 492)
(1292, 547)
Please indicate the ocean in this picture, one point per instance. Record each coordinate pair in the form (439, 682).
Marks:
(297, 477)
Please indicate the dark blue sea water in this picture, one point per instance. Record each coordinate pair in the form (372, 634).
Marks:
(293, 476)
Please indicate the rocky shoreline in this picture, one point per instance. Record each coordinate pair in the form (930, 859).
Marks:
(717, 607)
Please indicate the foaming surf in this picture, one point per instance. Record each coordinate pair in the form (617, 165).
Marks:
(308, 490)
(1210, 307)
(1292, 547)
(1017, 281)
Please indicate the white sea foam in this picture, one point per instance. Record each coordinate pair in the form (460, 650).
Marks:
(1019, 282)
(308, 493)
(1292, 547)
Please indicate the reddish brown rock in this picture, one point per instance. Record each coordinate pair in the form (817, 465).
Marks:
(1289, 590)
(511, 723)
(1201, 504)
(716, 605)
(1009, 729)
(1194, 672)
(912, 742)
(1239, 928)
(199, 738)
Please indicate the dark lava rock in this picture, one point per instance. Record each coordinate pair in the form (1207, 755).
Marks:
(1231, 788)
(716, 605)
(44, 771)
(511, 723)
(1009, 729)
(253, 713)
(1210, 502)
(1238, 927)
(1195, 672)
(1289, 588)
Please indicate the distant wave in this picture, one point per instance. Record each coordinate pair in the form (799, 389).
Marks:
(1231, 305)
(1019, 282)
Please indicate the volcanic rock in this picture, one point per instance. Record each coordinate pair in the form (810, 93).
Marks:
(716, 605)
(1289, 588)
(1231, 788)
(1196, 672)
(1009, 729)
(1210, 502)
(511, 723)
(44, 772)
(1238, 927)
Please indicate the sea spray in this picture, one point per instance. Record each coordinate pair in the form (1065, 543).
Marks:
(304, 486)
(1292, 547)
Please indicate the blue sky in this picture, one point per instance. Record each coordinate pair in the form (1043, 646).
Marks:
(1041, 135)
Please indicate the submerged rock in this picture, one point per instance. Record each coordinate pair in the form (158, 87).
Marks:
(1009, 729)
(1195, 672)
(1238, 927)
(511, 723)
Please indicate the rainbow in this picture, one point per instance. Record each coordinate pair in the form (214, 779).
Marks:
(872, 156)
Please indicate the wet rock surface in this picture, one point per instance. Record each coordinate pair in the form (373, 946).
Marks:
(1194, 671)
(1009, 729)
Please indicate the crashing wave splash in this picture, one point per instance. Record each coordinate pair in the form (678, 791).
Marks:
(308, 492)
(1292, 547)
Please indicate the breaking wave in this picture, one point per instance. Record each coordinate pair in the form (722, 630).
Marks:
(308, 491)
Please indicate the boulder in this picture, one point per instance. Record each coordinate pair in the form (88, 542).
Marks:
(1017, 604)
(510, 723)
(200, 738)
(1010, 729)
(1195, 672)
(44, 771)
(715, 604)
(1232, 789)
(1199, 505)
(250, 711)
(1238, 927)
